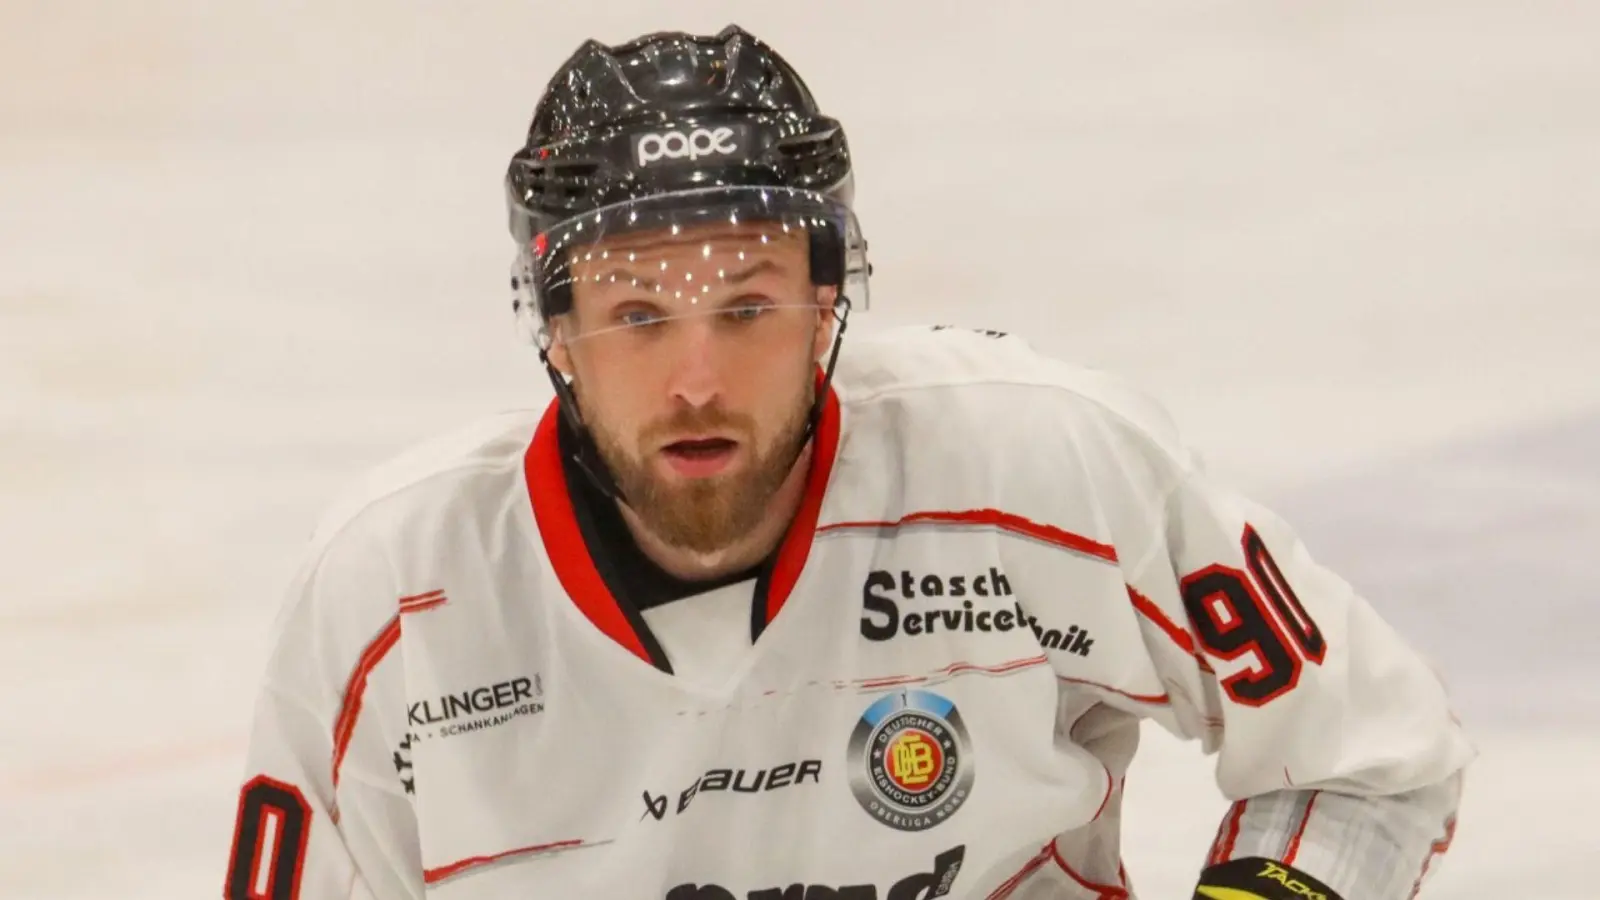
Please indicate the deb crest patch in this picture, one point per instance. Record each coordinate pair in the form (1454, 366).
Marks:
(910, 760)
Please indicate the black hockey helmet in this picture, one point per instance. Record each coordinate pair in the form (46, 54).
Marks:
(667, 130)
(668, 118)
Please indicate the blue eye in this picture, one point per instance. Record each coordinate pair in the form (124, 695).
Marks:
(638, 317)
(746, 313)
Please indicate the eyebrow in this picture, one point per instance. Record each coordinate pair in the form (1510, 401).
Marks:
(759, 268)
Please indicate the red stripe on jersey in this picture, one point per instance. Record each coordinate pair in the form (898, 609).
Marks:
(796, 546)
(990, 518)
(1105, 801)
(423, 605)
(1102, 891)
(1158, 699)
(1227, 835)
(350, 707)
(1150, 611)
(1437, 848)
(957, 668)
(563, 542)
(420, 602)
(1179, 635)
(1293, 850)
(440, 873)
(1028, 868)
(950, 671)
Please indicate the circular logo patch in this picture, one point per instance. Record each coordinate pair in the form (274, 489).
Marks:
(909, 762)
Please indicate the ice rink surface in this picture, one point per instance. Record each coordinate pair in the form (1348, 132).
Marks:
(248, 249)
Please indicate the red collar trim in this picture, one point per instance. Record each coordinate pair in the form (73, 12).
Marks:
(574, 566)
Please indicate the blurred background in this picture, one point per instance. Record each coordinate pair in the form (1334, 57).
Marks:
(248, 249)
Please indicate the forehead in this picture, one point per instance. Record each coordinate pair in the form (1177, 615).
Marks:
(752, 241)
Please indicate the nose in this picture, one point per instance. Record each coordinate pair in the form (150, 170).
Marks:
(694, 378)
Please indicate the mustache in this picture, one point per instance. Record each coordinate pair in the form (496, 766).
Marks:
(710, 418)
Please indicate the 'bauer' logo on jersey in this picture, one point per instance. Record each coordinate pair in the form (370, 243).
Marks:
(687, 146)
(910, 760)
(883, 618)
(744, 781)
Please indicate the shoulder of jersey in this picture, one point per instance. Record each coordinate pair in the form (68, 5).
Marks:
(434, 469)
(1011, 377)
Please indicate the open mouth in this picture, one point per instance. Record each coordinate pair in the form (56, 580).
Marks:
(700, 457)
(707, 448)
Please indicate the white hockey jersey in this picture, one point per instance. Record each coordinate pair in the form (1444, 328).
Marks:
(1002, 564)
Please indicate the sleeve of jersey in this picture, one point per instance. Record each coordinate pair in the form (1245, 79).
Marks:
(321, 810)
(1333, 737)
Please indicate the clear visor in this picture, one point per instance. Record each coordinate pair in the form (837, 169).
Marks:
(762, 266)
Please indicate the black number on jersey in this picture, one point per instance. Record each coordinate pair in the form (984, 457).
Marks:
(269, 841)
(1306, 633)
(1232, 621)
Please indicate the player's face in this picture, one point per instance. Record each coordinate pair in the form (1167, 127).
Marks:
(693, 359)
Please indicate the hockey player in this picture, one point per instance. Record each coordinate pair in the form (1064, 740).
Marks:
(743, 616)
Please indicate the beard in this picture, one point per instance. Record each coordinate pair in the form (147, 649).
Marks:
(705, 515)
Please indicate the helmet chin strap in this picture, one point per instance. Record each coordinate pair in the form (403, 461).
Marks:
(841, 314)
(587, 453)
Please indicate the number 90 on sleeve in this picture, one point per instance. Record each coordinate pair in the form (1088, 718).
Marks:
(1232, 621)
